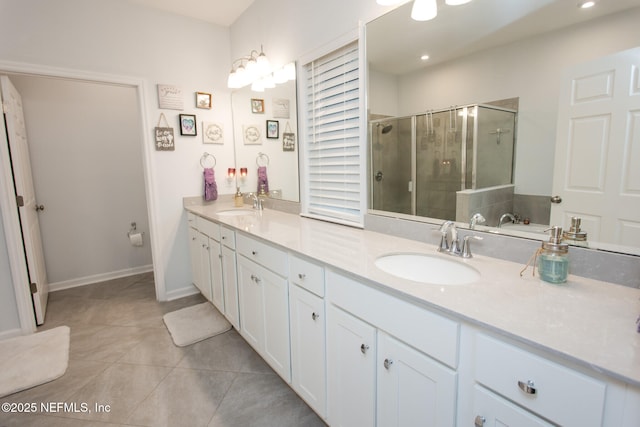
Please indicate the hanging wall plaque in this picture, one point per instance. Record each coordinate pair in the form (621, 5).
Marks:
(163, 135)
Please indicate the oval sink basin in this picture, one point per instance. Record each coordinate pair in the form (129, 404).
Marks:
(427, 269)
(235, 212)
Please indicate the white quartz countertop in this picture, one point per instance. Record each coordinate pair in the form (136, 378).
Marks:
(588, 322)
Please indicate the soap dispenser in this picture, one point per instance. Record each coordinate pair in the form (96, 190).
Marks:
(238, 199)
(553, 258)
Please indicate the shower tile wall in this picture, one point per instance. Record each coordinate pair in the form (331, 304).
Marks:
(490, 202)
(536, 208)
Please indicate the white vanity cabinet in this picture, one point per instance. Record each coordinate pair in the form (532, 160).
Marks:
(389, 362)
(308, 327)
(264, 302)
(229, 281)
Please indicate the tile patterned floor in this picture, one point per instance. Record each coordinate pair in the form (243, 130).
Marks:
(122, 355)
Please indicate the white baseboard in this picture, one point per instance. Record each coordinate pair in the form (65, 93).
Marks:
(10, 333)
(87, 280)
(182, 292)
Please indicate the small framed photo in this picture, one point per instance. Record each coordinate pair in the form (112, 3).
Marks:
(273, 129)
(257, 106)
(203, 100)
(188, 125)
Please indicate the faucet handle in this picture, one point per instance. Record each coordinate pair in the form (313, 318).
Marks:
(466, 245)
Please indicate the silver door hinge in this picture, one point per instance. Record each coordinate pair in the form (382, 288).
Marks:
(20, 201)
(33, 287)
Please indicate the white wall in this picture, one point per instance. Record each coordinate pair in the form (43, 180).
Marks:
(123, 39)
(84, 142)
(530, 70)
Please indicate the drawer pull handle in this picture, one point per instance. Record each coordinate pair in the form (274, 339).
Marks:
(314, 315)
(388, 363)
(480, 420)
(364, 348)
(301, 276)
(528, 387)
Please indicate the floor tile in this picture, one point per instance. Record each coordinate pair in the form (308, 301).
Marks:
(103, 343)
(259, 400)
(156, 348)
(185, 394)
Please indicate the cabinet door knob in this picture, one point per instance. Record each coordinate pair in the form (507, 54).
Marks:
(254, 253)
(364, 348)
(480, 420)
(301, 276)
(314, 315)
(388, 363)
(256, 278)
(528, 387)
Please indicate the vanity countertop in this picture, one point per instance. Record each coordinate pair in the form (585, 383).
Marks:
(588, 322)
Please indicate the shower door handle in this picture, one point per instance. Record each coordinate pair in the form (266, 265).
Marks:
(379, 176)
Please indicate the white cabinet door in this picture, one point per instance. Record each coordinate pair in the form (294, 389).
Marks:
(204, 282)
(351, 370)
(196, 256)
(264, 314)
(492, 411)
(308, 349)
(215, 265)
(413, 389)
(230, 287)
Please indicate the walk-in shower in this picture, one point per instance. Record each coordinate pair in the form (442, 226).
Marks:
(420, 163)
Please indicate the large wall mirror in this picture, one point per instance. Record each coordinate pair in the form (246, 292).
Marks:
(266, 141)
(473, 128)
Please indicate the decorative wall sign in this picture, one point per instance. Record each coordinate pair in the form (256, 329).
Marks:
(273, 131)
(257, 106)
(280, 108)
(288, 139)
(251, 135)
(203, 100)
(163, 135)
(170, 97)
(188, 125)
(212, 133)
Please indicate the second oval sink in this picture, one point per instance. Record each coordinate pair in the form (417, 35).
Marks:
(426, 268)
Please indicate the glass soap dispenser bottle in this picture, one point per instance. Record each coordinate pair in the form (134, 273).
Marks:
(238, 199)
(553, 258)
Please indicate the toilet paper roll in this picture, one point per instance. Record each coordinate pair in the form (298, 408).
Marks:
(135, 239)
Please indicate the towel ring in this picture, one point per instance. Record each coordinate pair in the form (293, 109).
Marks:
(203, 160)
(264, 158)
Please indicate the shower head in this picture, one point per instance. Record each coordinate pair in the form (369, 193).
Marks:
(386, 128)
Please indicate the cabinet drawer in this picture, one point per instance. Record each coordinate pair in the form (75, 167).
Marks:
(209, 228)
(424, 330)
(491, 410)
(307, 275)
(563, 396)
(192, 220)
(265, 255)
(228, 237)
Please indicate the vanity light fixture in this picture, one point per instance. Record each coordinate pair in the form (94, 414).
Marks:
(243, 172)
(424, 57)
(231, 173)
(245, 70)
(586, 4)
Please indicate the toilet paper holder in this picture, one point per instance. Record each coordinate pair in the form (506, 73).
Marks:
(133, 229)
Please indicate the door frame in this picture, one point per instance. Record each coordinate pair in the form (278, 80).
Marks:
(8, 206)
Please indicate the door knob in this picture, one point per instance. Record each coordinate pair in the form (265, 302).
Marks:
(364, 348)
(39, 208)
(388, 363)
(480, 420)
(314, 315)
(556, 199)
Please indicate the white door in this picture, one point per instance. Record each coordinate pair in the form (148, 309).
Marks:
(597, 173)
(413, 389)
(28, 208)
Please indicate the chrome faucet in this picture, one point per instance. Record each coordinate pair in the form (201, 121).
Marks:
(507, 215)
(451, 245)
(257, 202)
(477, 218)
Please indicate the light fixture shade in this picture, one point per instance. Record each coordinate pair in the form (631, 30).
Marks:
(424, 10)
(268, 82)
(263, 66)
(290, 71)
(257, 86)
(456, 2)
(280, 76)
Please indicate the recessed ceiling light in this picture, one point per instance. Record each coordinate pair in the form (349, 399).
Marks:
(586, 4)
(424, 57)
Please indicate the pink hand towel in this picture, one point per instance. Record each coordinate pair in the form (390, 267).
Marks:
(263, 182)
(210, 186)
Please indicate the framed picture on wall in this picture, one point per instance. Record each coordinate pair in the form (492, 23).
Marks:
(203, 100)
(188, 125)
(257, 106)
(273, 129)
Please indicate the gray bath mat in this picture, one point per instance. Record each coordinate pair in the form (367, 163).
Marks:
(31, 360)
(196, 323)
